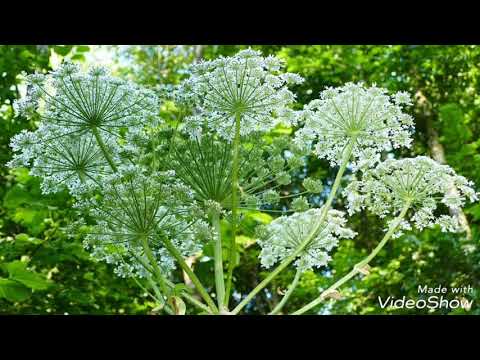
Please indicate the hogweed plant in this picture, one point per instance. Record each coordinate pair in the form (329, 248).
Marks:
(151, 193)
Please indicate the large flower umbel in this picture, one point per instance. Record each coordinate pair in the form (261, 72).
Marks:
(139, 209)
(76, 102)
(75, 163)
(283, 235)
(247, 86)
(366, 116)
(425, 186)
(205, 166)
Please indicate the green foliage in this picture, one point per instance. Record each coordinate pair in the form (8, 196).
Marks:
(44, 271)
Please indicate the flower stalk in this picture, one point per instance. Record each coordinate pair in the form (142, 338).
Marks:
(104, 149)
(178, 256)
(358, 267)
(235, 166)
(219, 280)
(343, 166)
(289, 292)
(153, 263)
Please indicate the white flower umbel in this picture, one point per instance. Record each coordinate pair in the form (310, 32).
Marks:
(408, 190)
(137, 214)
(75, 163)
(75, 103)
(283, 236)
(420, 183)
(205, 165)
(366, 116)
(246, 88)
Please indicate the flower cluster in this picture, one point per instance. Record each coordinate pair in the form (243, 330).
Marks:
(283, 235)
(420, 183)
(246, 86)
(139, 209)
(75, 163)
(205, 165)
(82, 118)
(75, 102)
(367, 117)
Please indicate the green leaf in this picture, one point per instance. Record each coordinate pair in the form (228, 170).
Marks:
(260, 217)
(22, 175)
(78, 57)
(17, 270)
(82, 48)
(62, 49)
(25, 238)
(14, 291)
(244, 241)
(16, 196)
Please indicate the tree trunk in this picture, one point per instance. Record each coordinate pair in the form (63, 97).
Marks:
(437, 153)
(199, 52)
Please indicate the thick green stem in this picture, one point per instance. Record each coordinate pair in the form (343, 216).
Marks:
(159, 297)
(358, 267)
(153, 262)
(346, 158)
(201, 290)
(235, 165)
(104, 149)
(287, 295)
(219, 281)
(171, 285)
(81, 176)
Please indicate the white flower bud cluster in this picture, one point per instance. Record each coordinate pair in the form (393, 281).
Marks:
(283, 235)
(247, 85)
(421, 182)
(366, 116)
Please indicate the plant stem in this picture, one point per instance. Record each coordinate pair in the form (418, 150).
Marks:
(287, 295)
(81, 176)
(346, 158)
(357, 268)
(203, 293)
(171, 285)
(104, 149)
(235, 165)
(158, 295)
(219, 281)
(154, 264)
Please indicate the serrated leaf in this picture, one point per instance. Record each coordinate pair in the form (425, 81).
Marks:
(16, 196)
